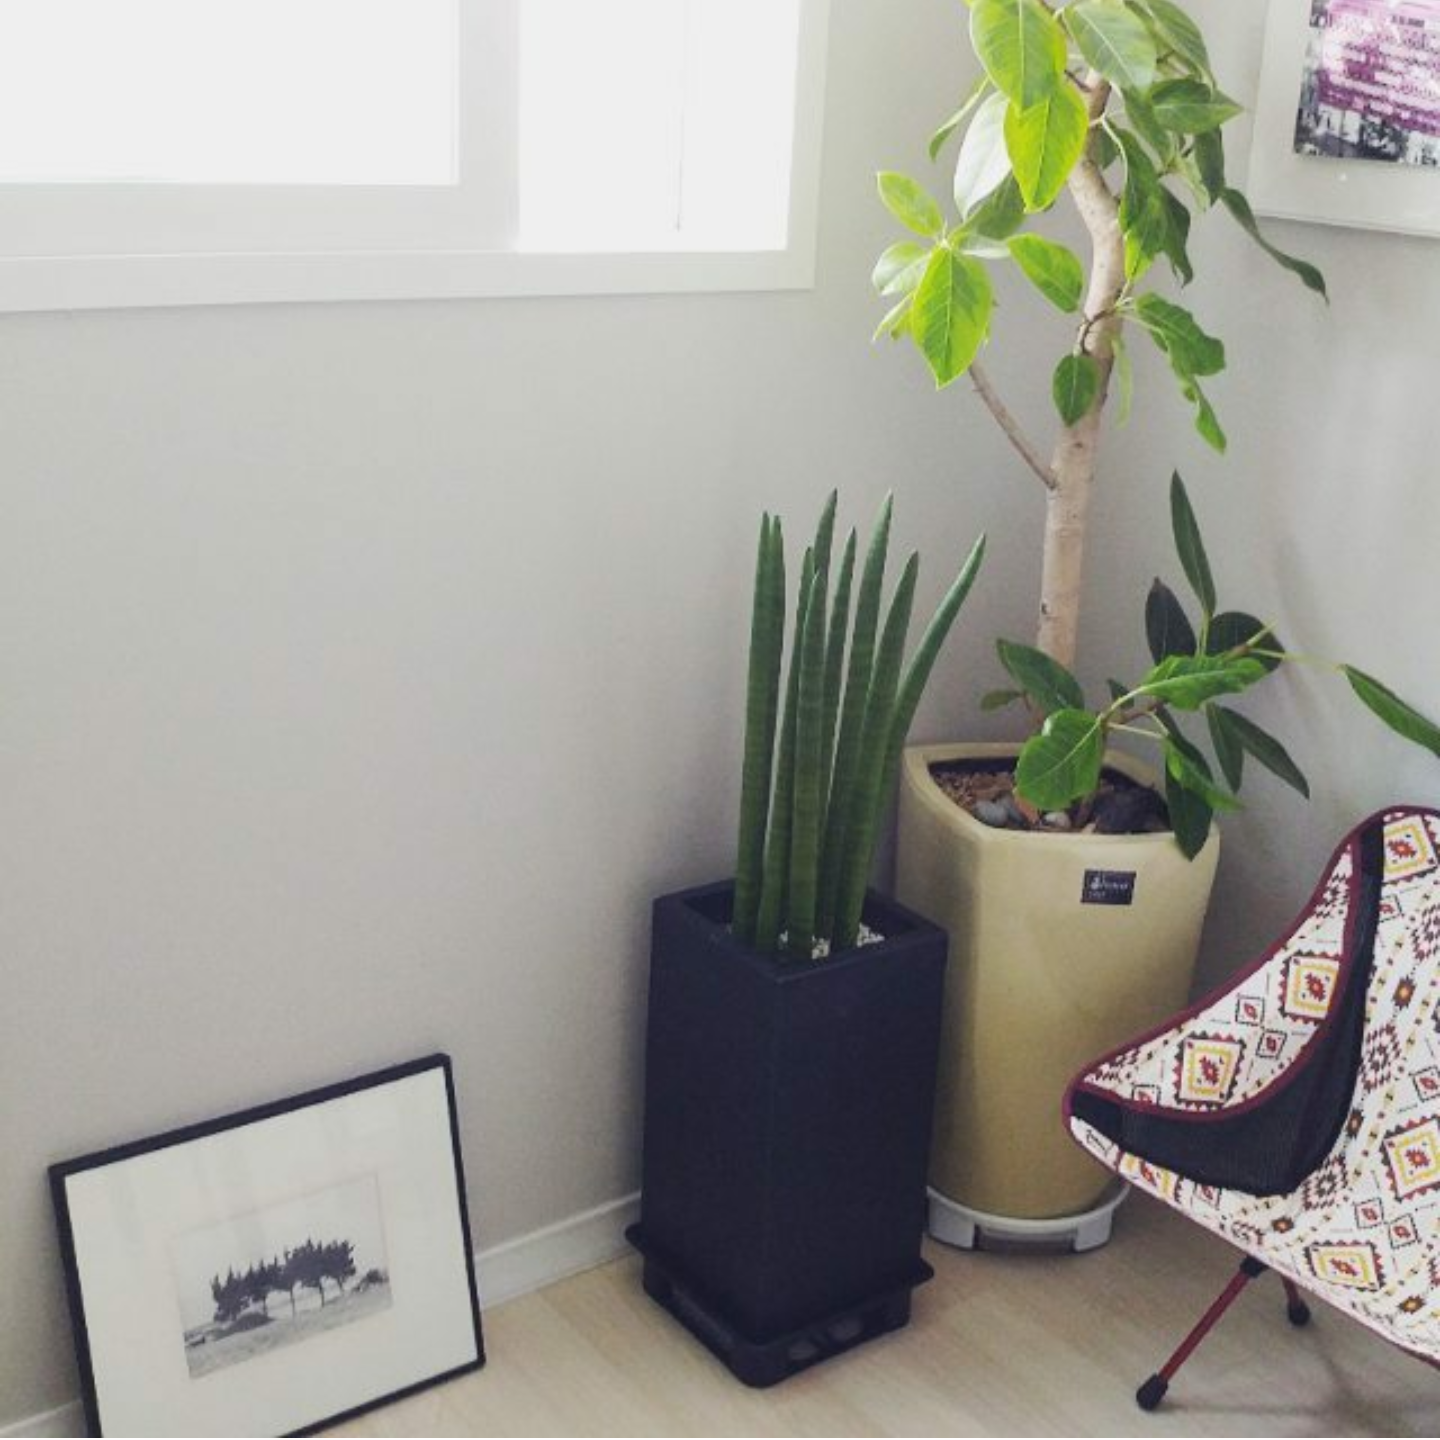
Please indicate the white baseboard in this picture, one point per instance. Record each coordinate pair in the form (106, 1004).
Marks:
(64, 1420)
(558, 1251)
(504, 1272)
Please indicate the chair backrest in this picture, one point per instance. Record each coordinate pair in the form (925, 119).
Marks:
(1315, 1002)
(1394, 1120)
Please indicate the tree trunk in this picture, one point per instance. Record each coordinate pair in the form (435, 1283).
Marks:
(1073, 465)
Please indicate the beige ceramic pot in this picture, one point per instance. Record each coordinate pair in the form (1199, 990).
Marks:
(1061, 946)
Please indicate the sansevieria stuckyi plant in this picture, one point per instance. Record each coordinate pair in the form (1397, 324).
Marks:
(820, 761)
(1113, 103)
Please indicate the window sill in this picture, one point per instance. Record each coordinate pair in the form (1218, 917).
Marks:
(103, 282)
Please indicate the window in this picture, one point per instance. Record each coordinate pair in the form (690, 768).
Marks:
(249, 93)
(686, 134)
(184, 151)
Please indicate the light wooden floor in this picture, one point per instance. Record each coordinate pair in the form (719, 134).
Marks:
(999, 1345)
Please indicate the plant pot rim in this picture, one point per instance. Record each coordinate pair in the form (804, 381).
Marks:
(916, 765)
(910, 932)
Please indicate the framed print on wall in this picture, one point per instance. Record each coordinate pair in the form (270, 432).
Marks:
(277, 1270)
(1347, 128)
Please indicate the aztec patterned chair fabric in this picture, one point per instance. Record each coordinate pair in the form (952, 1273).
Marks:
(1296, 1113)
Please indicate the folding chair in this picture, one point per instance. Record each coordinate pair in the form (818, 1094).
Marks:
(1296, 1111)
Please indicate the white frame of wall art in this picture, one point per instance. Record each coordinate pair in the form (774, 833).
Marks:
(178, 1251)
(1369, 194)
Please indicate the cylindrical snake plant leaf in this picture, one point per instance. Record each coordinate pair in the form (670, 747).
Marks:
(809, 731)
(874, 743)
(834, 666)
(762, 703)
(825, 536)
(917, 673)
(852, 715)
(773, 896)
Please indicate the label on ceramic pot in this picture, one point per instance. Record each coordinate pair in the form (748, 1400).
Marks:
(1108, 887)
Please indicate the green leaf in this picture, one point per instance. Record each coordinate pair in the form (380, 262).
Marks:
(1143, 214)
(999, 699)
(859, 671)
(1075, 386)
(767, 640)
(1140, 172)
(1115, 43)
(1124, 373)
(1228, 749)
(1175, 244)
(1184, 764)
(1046, 142)
(770, 915)
(808, 802)
(1144, 240)
(1401, 717)
(1167, 628)
(917, 672)
(1207, 423)
(1178, 32)
(897, 320)
(910, 203)
(1190, 817)
(983, 249)
(1001, 215)
(1239, 207)
(1267, 750)
(983, 163)
(1210, 162)
(1142, 121)
(1190, 814)
(1235, 628)
(1107, 152)
(1021, 46)
(1046, 681)
(899, 269)
(1190, 107)
(1062, 763)
(1189, 546)
(1191, 353)
(1190, 681)
(1190, 350)
(1198, 778)
(945, 131)
(951, 314)
(1054, 270)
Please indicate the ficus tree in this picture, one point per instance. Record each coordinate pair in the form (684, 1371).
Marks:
(1115, 104)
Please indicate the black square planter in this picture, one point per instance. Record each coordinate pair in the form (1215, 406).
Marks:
(788, 1110)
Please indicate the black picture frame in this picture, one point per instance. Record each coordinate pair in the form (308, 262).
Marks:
(63, 1175)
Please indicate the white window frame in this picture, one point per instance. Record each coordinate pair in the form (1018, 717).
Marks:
(422, 252)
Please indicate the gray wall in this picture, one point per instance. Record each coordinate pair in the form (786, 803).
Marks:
(1324, 515)
(367, 668)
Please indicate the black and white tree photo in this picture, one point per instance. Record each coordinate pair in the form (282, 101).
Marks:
(276, 1276)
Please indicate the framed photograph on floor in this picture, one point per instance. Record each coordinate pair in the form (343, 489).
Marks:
(274, 1271)
(1347, 128)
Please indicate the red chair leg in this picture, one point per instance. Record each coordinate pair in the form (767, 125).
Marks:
(1152, 1392)
(1295, 1307)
